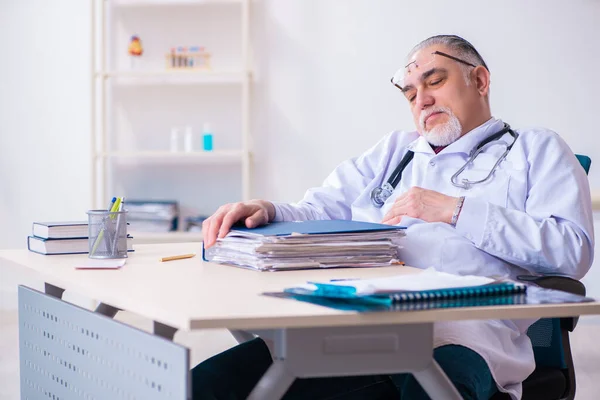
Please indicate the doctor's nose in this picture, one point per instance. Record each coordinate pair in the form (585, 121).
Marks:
(424, 100)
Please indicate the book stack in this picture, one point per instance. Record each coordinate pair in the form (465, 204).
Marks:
(152, 216)
(67, 237)
(309, 244)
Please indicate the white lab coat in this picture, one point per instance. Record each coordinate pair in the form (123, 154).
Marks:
(533, 217)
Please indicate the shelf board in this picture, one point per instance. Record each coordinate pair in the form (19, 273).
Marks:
(167, 157)
(152, 3)
(175, 76)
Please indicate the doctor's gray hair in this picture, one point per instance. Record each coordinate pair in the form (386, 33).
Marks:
(460, 47)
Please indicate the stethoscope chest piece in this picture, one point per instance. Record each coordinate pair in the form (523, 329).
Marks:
(380, 194)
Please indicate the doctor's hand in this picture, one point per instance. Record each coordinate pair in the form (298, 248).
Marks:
(424, 204)
(252, 213)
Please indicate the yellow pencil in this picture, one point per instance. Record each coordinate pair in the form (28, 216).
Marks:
(181, 257)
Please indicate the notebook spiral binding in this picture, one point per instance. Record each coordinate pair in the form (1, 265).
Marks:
(457, 293)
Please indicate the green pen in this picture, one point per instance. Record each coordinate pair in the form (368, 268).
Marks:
(116, 238)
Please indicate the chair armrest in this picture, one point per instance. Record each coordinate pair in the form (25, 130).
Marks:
(558, 283)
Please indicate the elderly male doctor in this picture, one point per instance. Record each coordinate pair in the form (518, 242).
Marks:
(532, 215)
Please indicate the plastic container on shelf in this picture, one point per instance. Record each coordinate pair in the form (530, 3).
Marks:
(207, 138)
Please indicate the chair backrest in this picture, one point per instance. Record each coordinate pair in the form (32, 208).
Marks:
(585, 162)
(545, 334)
(546, 339)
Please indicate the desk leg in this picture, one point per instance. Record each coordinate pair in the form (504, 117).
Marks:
(107, 310)
(274, 383)
(353, 350)
(164, 331)
(436, 383)
(53, 291)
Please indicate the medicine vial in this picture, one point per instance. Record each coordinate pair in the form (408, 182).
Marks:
(207, 138)
(188, 139)
(174, 140)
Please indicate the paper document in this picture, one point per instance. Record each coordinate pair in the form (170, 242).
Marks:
(309, 244)
(102, 264)
(428, 279)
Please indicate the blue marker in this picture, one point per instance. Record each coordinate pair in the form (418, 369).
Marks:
(109, 237)
(111, 203)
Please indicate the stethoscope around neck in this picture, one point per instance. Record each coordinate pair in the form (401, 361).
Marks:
(381, 193)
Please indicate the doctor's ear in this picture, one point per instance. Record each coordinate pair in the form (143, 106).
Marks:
(480, 76)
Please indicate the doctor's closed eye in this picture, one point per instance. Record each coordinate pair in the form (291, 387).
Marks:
(410, 95)
(435, 80)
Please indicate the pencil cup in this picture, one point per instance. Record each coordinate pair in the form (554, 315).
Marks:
(107, 233)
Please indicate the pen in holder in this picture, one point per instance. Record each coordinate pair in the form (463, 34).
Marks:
(107, 233)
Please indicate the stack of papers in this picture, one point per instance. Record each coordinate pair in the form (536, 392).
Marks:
(309, 244)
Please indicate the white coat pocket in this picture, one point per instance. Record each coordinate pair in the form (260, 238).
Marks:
(495, 189)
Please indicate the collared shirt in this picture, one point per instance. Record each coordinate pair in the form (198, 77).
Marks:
(533, 217)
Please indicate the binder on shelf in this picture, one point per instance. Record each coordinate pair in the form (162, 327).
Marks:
(153, 215)
(194, 224)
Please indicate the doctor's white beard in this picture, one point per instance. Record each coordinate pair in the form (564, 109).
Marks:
(441, 134)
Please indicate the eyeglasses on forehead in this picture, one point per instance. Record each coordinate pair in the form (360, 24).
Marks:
(400, 76)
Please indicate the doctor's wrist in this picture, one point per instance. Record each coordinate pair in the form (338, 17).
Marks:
(270, 209)
(457, 210)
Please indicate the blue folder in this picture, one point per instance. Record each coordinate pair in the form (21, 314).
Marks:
(316, 227)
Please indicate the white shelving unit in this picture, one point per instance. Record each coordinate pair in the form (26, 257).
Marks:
(161, 3)
(105, 74)
(176, 77)
(167, 157)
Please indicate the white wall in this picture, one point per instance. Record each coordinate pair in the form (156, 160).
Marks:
(322, 92)
(44, 114)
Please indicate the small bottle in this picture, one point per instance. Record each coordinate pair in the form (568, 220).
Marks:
(188, 139)
(174, 140)
(207, 138)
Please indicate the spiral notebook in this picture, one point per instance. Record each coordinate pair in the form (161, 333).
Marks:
(427, 287)
(532, 295)
(361, 305)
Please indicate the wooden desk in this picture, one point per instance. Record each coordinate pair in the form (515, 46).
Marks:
(192, 294)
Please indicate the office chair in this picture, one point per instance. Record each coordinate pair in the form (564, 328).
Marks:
(554, 375)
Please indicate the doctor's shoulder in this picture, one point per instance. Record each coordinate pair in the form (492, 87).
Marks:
(540, 141)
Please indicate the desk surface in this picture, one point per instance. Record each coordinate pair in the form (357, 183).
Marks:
(192, 294)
